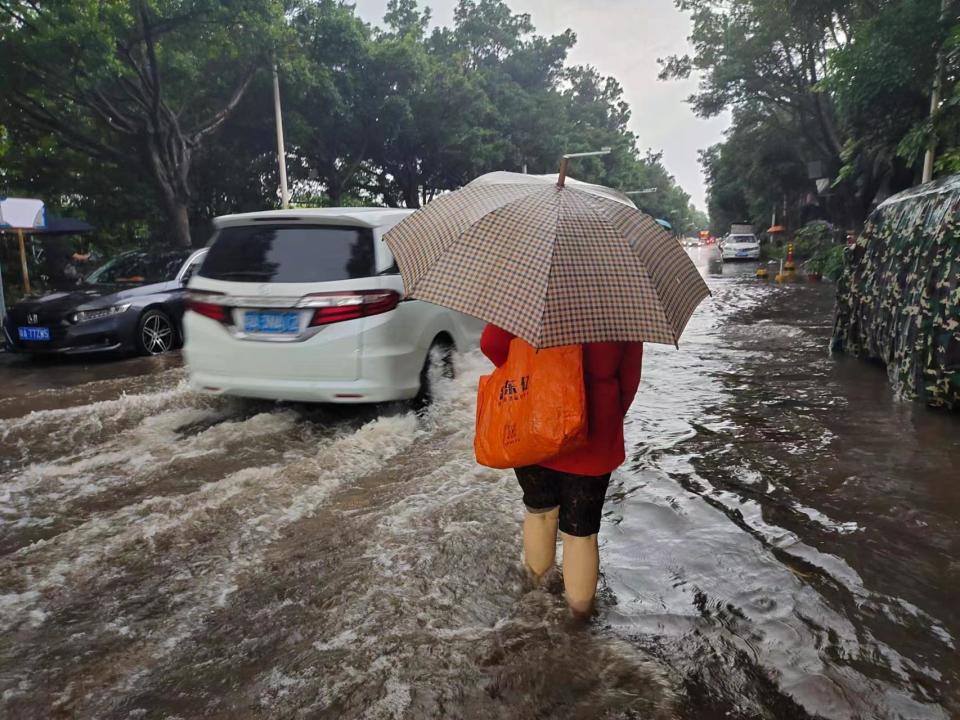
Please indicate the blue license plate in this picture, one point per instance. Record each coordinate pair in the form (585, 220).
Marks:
(742, 253)
(275, 323)
(33, 333)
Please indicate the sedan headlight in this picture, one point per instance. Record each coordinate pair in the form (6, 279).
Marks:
(98, 313)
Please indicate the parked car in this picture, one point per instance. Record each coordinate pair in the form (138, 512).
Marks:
(308, 305)
(740, 247)
(134, 303)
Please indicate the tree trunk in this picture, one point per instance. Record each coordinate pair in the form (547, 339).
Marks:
(178, 217)
(335, 186)
(410, 190)
(170, 177)
(334, 192)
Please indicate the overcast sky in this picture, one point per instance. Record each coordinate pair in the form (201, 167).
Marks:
(622, 38)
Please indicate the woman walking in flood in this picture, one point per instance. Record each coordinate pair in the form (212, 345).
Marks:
(583, 278)
(567, 493)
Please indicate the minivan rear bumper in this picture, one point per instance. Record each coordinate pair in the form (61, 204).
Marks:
(315, 391)
(370, 360)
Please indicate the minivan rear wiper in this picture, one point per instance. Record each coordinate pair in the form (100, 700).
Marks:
(255, 274)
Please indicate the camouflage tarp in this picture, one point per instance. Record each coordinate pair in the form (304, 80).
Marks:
(899, 299)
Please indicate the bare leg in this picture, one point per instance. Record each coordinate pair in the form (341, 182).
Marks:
(540, 540)
(581, 571)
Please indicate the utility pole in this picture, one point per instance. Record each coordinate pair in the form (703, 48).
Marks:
(281, 153)
(935, 99)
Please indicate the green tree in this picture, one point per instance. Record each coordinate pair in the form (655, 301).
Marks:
(482, 96)
(142, 82)
(839, 83)
(336, 96)
(880, 85)
(238, 172)
(148, 112)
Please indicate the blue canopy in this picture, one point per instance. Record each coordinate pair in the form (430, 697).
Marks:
(61, 226)
(55, 226)
(664, 223)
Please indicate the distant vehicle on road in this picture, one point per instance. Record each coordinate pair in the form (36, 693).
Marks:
(740, 247)
(133, 303)
(691, 242)
(308, 305)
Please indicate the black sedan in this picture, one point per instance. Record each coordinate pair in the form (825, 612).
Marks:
(133, 303)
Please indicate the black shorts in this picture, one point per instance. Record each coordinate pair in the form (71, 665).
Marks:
(579, 497)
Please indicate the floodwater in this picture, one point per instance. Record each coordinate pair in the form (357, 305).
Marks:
(782, 542)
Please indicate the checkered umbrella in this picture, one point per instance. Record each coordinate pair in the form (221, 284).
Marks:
(553, 265)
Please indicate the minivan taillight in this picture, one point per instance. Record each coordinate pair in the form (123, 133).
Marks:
(214, 311)
(339, 306)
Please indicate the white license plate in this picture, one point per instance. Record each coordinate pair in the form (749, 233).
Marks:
(33, 333)
(271, 322)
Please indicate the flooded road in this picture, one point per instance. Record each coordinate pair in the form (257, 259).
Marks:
(783, 542)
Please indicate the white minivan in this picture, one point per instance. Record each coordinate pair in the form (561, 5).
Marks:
(308, 305)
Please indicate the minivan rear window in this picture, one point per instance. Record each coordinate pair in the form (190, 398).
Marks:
(290, 254)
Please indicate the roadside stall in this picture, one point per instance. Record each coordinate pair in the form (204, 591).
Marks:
(26, 219)
(16, 216)
(776, 233)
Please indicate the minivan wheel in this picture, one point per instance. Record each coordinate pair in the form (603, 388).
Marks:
(438, 364)
(155, 333)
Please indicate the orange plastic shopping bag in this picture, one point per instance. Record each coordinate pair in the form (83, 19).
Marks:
(533, 408)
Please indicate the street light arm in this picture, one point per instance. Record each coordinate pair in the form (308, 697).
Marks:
(562, 176)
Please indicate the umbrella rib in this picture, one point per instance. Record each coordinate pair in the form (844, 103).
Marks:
(588, 201)
(553, 250)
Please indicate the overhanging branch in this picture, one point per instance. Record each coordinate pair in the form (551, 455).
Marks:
(217, 120)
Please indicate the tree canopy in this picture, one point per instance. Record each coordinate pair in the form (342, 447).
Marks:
(149, 117)
(836, 90)
(143, 83)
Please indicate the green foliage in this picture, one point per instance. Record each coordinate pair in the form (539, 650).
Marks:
(749, 175)
(834, 262)
(827, 261)
(845, 85)
(812, 239)
(772, 252)
(881, 83)
(143, 115)
(139, 86)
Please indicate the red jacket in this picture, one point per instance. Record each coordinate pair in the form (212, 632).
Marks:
(611, 377)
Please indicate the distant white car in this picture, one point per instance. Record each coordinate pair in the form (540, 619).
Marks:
(740, 247)
(308, 305)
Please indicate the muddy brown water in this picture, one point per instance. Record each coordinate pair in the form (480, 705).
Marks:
(782, 542)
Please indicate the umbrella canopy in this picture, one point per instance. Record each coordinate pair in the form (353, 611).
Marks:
(664, 223)
(553, 265)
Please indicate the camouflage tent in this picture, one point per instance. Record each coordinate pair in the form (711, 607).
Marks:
(899, 299)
